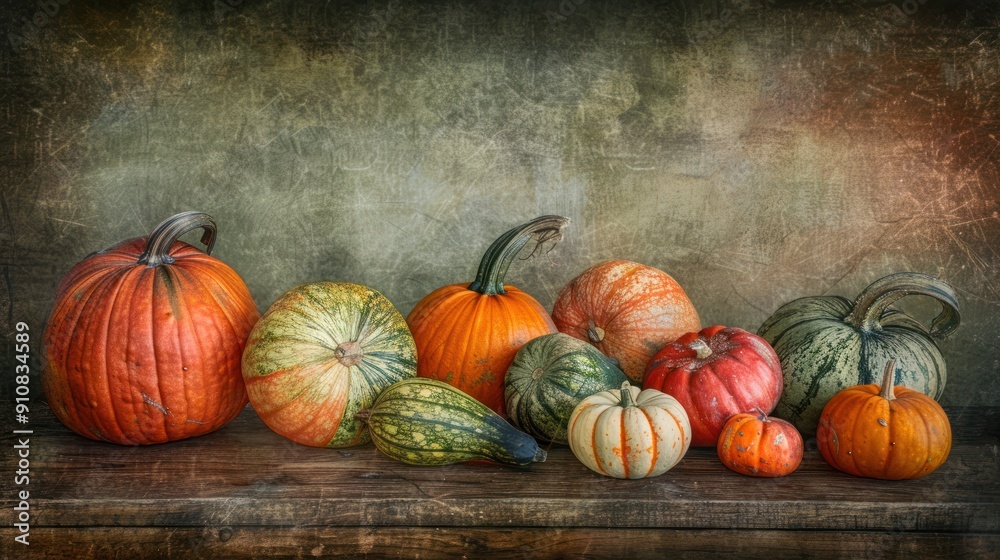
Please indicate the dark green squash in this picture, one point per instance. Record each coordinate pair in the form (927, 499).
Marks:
(826, 344)
(426, 422)
(550, 375)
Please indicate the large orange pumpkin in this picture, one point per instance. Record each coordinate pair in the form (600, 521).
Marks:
(467, 334)
(888, 433)
(144, 342)
(627, 310)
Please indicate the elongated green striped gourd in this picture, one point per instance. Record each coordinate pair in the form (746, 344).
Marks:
(550, 375)
(426, 422)
(826, 344)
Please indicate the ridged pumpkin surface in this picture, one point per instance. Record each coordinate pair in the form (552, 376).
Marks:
(138, 354)
(626, 433)
(627, 310)
(829, 343)
(550, 376)
(467, 334)
(755, 445)
(320, 354)
(891, 433)
(716, 373)
(468, 339)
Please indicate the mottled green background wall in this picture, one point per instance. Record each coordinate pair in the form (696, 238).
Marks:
(756, 151)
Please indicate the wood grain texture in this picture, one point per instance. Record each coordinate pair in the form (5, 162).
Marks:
(245, 491)
(116, 543)
(245, 474)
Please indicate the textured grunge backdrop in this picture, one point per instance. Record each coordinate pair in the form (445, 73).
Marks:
(757, 151)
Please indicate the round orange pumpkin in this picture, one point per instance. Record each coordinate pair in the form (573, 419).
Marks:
(144, 342)
(755, 445)
(467, 334)
(887, 433)
(627, 310)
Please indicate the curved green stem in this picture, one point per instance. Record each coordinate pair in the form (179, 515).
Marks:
(876, 299)
(159, 242)
(496, 261)
(627, 399)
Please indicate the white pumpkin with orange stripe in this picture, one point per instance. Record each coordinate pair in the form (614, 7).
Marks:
(626, 433)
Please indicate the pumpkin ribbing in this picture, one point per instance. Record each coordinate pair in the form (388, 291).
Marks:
(144, 340)
(321, 353)
(829, 343)
(467, 334)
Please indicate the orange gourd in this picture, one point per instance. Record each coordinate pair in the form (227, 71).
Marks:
(627, 310)
(756, 445)
(888, 433)
(144, 341)
(467, 334)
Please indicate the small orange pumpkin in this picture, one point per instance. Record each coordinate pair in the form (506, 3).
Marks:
(467, 334)
(755, 445)
(627, 310)
(888, 433)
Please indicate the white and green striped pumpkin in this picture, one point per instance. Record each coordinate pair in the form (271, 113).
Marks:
(550, 375)
(320, 354)
(827, 343)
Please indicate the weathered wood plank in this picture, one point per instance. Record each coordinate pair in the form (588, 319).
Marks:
(246, 475)
(438, 542)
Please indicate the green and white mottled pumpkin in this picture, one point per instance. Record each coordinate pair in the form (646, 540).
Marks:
(426, 422)
(320, 354)
(550, 375)
(826, 344)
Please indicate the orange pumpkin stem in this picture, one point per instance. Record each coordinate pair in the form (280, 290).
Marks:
(496, 261)
(888, 376)
(762, 416)
(159, 242)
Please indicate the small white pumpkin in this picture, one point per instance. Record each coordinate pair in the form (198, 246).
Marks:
(626, 433)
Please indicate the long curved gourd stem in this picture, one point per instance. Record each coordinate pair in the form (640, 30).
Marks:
(159, 242)
(888, 378)
(876, 299)
(496, 261)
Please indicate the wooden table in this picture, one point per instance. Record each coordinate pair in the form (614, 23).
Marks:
(246, 491)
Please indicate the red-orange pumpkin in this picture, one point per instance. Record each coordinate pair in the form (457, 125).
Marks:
(467, 334)
(627, 310)
(715, 374)
(755, 445)
(144, 342)
(884, 432)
